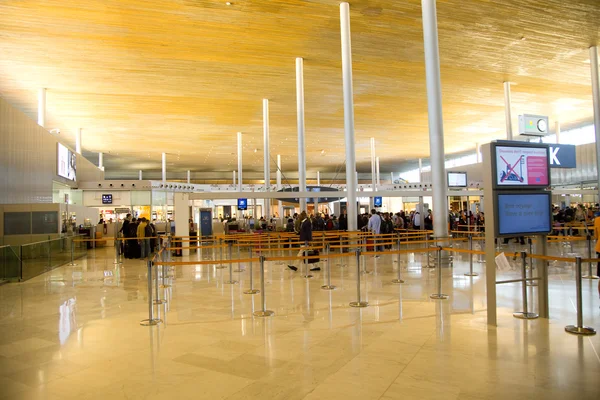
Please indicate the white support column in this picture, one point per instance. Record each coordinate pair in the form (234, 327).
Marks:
(234, 178)
(507, 111)
(267, 168)
(101, 161)
(378, 181)
(392, 178)
(420, 170)
(478, 152)
(239, 154)
(164, 167)
(42, 107)
(140, 175)
(279, 187)
(78, 141)
(181, 208)
(188, 176)
(596, 102)
(351, 176)
(300, 116)
(557, 131)
(373, 175)
(436, 124)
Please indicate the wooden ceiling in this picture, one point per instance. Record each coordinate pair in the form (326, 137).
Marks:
(182, 77)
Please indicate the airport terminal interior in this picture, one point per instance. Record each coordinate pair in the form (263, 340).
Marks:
(289, 199)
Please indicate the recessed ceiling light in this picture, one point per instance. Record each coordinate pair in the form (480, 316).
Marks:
(228, 3)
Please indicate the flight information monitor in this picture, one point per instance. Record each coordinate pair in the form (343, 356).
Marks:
(242, 204)
(457, 179)
(107, 199)
(520, 165)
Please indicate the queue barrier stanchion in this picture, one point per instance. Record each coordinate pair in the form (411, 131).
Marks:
(230, 281)
(307, 274)
(530, 282)
(579, 329)
(251, 290)
(590, 274)
(264, 312)
(439, 295)
(471, 273)
(359, 302)
(399, 279)
(157, 300)
(164, 268)
(221, 266)
(151, 321)
(525, 314)
(117, 258)
(72, 263)
(329, 286)
(239, 266)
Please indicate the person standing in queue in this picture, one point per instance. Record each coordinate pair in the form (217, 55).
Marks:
(141, 235)
(597, 232)
(305, 232)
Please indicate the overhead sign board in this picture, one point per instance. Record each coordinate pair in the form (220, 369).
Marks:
(533, 125)
(563, 156)
(122, 210)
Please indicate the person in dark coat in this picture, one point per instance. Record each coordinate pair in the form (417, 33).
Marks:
(305, 232)
(343, 221)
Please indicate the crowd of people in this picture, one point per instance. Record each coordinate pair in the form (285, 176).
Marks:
(140, 237)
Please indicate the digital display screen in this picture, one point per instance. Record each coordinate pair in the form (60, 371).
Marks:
(521, 166)
(67, 163)
(107, 199)
(378, 201)
(457, 179)
(242, 204)
(524, 213)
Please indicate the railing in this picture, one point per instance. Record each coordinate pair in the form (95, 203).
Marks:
(10, 264)
(39, 257)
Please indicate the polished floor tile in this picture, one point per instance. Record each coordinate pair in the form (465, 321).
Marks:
(74, 333)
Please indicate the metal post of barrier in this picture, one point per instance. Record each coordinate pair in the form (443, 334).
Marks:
(399, 279)
(307, 274)
(525, 314)
(72, 263)
(329, 286)
(530, 282)
(251, 290)
(221, 266)
(164, 269)
(397, 260)
(230, 281)
(117, 260)
(239, 266)
(358, 302)
(290, 247)
(439, 295)
(157, 300)
(590, 274)
(264, 312)
(471, 273)
(151, 320)
(579, 329)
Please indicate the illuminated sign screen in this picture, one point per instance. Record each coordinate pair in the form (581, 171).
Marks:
(67, 163)
(457, 179)
(107, 199)
(377, 201)
(242, 204)
(520, 165)
(523, 213)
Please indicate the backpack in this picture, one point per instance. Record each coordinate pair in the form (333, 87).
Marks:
(148, 231)
(329, 224)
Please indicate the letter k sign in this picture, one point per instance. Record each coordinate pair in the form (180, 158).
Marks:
(553, 157)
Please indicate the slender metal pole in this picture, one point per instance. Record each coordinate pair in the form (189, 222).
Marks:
(307, 274)
(579, 329)
(239, 160)
(264, 312)
(399, 279)
(151, 320)
(590, 274)
(300, 124)
(596, 102)
(531, 283)
(507, 111)
(351, 182)
(525, 314)
(358, 302)
(230, 281)
(221, 266)
(157, 300)
(329, 286)
(251, 290)
(471, 273)
(72, 264)
(439, 295)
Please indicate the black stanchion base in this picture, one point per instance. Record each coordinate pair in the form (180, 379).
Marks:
(525, 315)
(150, 322)
(307, 276)
(359, 304)
(580, 330)
(397, 281)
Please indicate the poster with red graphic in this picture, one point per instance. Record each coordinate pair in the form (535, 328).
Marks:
(522, 166)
